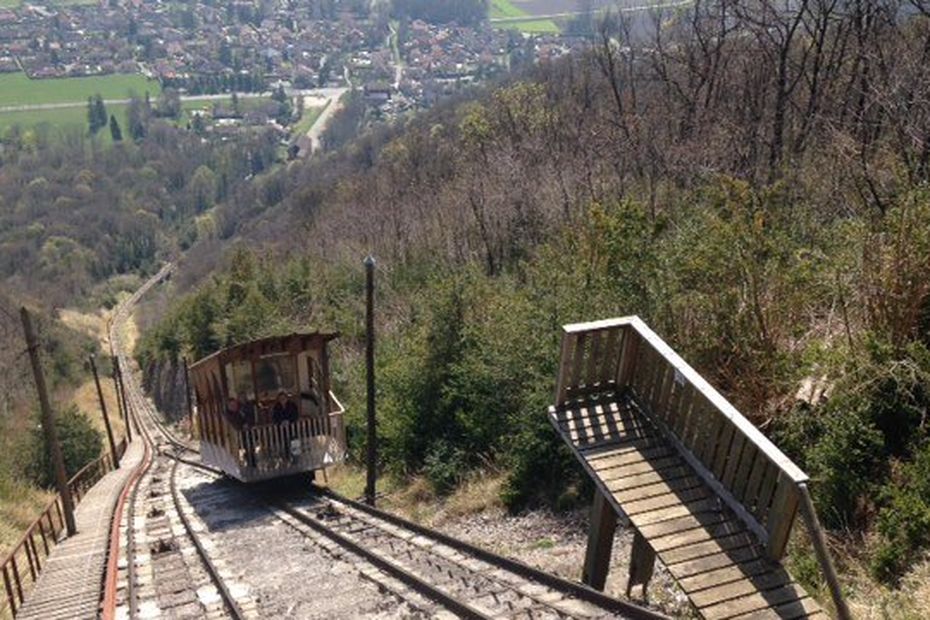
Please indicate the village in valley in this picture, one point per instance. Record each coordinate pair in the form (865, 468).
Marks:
(201, 53)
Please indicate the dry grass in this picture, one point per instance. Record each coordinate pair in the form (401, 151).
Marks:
(86, 399)
(415, 499)
(870, 600)
(20, 504)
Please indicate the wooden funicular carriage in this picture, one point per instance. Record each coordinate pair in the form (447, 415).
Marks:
(237, 390)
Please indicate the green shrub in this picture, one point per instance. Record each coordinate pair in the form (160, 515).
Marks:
(80, 444)
(845, 464)
(904, 520)
(446, 466)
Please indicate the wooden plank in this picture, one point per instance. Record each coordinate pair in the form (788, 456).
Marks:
(712, 436)
(746, 465)
(642, 467)
(754, 484)
(740, 587)
(788, 593)
(717, 560)
(733, 461)
(577, 361)
(665, 500)
(691, 422)
(697, 534)
(629, 346)
(610, 356)
(766, 493)
(631, 456)
(676, 485)
(681, 509)
(632, 445)
(614, 444)
(803, 608)
(722, 576)
(565, 361)
(722, 451)
(781, 515)
(701, 520)
(708, 547)
(673, 406)
(586, 438)
(640, 480)
(597, 417)
(594, 357)
(664, 394)
(660, 373)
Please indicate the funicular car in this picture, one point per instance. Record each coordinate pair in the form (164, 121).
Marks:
(265, 409)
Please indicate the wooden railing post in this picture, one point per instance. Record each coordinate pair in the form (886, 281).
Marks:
(600, 542)
(11, 599)
(823, 555)
(781, 517)
(628, 352)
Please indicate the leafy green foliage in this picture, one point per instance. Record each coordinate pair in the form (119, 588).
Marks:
(904, 521)
(80, 444)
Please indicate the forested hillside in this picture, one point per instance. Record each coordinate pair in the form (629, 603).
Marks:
(751, 181)
(75, 212)
(80, 222)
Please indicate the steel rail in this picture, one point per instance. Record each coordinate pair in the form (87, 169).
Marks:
(419, 585)
(581, 591)
(229, 600)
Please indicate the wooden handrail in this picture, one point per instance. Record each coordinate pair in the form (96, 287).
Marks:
(742, 466)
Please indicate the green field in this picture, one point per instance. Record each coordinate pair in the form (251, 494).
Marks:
(75, 117)
(505, 8)
(17, 89)
(515, 18)
(68, 119)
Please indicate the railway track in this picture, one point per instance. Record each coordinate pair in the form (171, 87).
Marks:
(242, 548)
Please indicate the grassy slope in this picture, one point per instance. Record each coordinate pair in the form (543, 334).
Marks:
(17, 89)
(20, 503)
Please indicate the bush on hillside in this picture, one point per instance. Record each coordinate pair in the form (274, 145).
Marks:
(904, 521)
(80, 444)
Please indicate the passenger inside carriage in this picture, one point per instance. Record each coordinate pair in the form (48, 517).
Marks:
(285, 409)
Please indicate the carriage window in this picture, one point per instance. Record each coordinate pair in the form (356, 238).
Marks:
(276, 373)
(239, 380)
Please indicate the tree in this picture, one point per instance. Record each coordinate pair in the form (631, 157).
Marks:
(96, 114)
(115, 132)
(137, 118)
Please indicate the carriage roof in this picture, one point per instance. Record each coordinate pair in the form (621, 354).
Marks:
(292, 343)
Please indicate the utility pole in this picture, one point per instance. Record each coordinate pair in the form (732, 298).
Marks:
(48, 422)
(119, 402)
(187, 393)
(370, 366)
(103, 408)
(121, 394)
